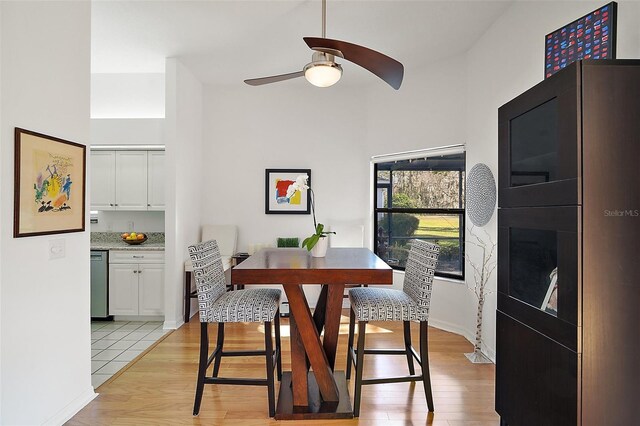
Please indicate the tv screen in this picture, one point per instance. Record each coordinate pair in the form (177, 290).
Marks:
(591, 37)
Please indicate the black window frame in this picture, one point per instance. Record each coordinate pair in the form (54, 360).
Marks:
(435, 211)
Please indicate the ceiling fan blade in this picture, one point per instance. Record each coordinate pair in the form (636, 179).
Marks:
(381, 65)
(273, 78)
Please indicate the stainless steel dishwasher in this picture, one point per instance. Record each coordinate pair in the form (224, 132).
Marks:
(100, 284)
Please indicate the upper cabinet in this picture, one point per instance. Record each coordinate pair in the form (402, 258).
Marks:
(103, 180)
(127, 180)
(131, 180)
(155, 180)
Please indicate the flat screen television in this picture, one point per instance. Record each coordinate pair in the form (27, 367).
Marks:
(591, 37)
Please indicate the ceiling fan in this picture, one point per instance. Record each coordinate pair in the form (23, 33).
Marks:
(324, 71)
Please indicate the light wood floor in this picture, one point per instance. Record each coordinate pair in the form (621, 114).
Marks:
(158, 388)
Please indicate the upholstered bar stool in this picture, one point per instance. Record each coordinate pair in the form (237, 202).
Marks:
(226, 236)
(216, 305)
(406, 305)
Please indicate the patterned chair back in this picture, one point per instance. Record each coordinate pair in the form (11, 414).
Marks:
(208, 274)
(418, 273)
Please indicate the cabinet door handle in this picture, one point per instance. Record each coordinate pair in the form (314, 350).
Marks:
(148, 205)
(138, 257)
(111, 204)
(135, 272)
(116, 204)
(139, 272)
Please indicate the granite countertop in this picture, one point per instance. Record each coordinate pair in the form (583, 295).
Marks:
(113, 241)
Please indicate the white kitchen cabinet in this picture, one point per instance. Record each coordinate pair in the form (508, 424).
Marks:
(103, 180)
(136, 282)
(151, 290)
(127, 180)
(155, 180)
(131, 180)
(123, 289)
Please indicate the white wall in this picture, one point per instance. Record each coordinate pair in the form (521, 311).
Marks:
(291, 125)
(1, 212)
(127, 221)
(186, 183)
(428, 111)
(505, 62)
(127, 131)
(127, 95)
(45, 353)
(287, 125)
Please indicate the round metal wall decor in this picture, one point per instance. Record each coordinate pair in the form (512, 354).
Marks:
(481, 194)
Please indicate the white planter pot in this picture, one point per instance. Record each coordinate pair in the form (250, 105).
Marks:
(320, 249)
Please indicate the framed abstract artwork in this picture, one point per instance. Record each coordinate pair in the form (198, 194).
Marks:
(49, 186)
(277, 201)
(592, 36)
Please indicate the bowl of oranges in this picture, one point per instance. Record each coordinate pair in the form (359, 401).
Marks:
(134, 238)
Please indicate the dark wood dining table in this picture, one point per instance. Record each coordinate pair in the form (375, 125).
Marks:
(322, 392)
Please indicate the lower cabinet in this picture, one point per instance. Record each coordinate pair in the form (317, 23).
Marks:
(136, 283)
(536, 377)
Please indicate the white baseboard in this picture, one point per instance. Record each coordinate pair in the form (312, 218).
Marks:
(490, 353)
(172, 325)
(72, 408)
(452, 328)
(467, 334)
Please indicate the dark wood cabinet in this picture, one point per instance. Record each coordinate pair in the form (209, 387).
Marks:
(568, 320)
(548, 369)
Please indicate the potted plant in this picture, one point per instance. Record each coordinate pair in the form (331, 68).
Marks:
(318, 242)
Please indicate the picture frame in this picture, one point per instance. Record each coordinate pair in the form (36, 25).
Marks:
(49, 185)
(550, 301)
(276, 183)
(592, 36)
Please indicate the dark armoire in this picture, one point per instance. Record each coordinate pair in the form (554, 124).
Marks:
(568, 318)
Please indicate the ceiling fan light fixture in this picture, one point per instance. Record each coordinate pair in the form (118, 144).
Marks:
(323, 74)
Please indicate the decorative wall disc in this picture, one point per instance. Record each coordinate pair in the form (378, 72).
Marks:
(481, 194)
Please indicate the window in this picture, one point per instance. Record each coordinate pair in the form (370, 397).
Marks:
(421, 198)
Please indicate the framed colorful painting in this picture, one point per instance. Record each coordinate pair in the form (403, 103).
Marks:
(277, 201)
(49, 195)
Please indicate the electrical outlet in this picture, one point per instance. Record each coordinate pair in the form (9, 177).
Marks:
(57, 249)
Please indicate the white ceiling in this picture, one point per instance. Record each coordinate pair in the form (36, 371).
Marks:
(224, 42)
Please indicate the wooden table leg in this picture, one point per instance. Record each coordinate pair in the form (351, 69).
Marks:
(312, 344)
(299, 382)
(332, 322)
(320, 310)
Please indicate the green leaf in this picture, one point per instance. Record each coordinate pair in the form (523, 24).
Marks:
(305, 242)
(314, 240)
(310, 242)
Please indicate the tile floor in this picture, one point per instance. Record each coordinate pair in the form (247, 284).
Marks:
(115, 343)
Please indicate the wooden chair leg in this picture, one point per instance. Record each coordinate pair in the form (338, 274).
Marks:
(278, 346)
(219, 345)
(352, 326)
(202, 366)
(357, 393)
(268, 346)
(407, 346)
(424, 357)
